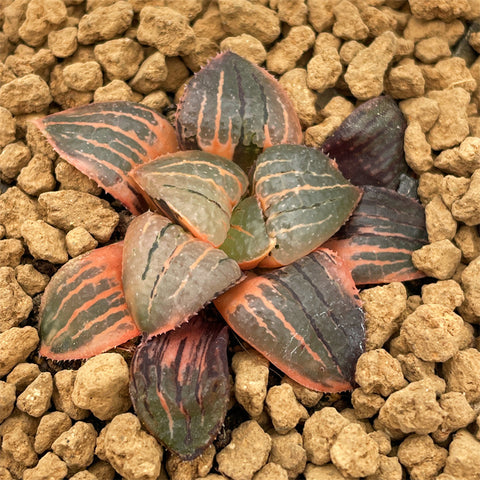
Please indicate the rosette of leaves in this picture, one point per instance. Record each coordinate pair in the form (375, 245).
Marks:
(231, 226)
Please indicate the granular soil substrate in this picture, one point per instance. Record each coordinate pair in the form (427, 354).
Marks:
(415, 413)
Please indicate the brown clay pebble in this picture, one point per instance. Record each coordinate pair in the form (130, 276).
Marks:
(101, 386)
(76, 446)
(319, 433)
(246, 453)
(433, 332)
(354, 453)
(131, 451)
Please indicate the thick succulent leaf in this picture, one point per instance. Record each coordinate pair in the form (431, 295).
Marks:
(83, 311)
(304, 198)
(378, 240)
(198, 189)
(247, 240)
(168, 275)
(106, 140)
(235, 109)
(305, 318)
(368, 145)
(180, 385)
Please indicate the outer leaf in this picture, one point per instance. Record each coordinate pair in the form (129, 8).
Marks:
(305, 318)
(235, 109)
(304, 198)
(168, 275)
(247, 240)
(378, 240)
(368, 145)
(198, 189)
(180, 387)
(83, 311)
(106, 140)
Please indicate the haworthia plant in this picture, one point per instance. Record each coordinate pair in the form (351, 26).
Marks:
(235, 109)
(168, 275)
(180, 385)
(305, 318)
(304, 197)
(107, 140)
(197, 189)
(83, 311)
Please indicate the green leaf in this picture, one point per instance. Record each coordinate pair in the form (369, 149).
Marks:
(378, 241)
(305, 318)
(168, 275)
(180, 385)
(304, 198)
(235, 109)
(198, 189)
(83, 311)
(247, 240)
(106, 140)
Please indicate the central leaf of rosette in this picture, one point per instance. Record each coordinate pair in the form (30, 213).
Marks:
(168, 275)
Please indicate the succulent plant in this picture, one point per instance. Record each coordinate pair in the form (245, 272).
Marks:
(242, 239)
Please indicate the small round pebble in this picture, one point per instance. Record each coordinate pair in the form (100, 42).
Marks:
(30, 279)
(413, 409)
(101, 386)
(133, 453)
(23, 375)
(64, 381)
(433, 332)
(319, 433)
(15, 304)
(44, 241)
(462, 373)
(287, 451)
(421, 456)
(49, 466)
(247, 452)
(354, 453)
(284, 409)
(51, 426)
(444, 292)
(439, 259)
(79, 241)
(383, 306)
(463, 459)
(76, 446)
(251, 378)
(246, 46)
(378, 372)
(7, 400)
(16, 344)
(271, 471)
(35, 399)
